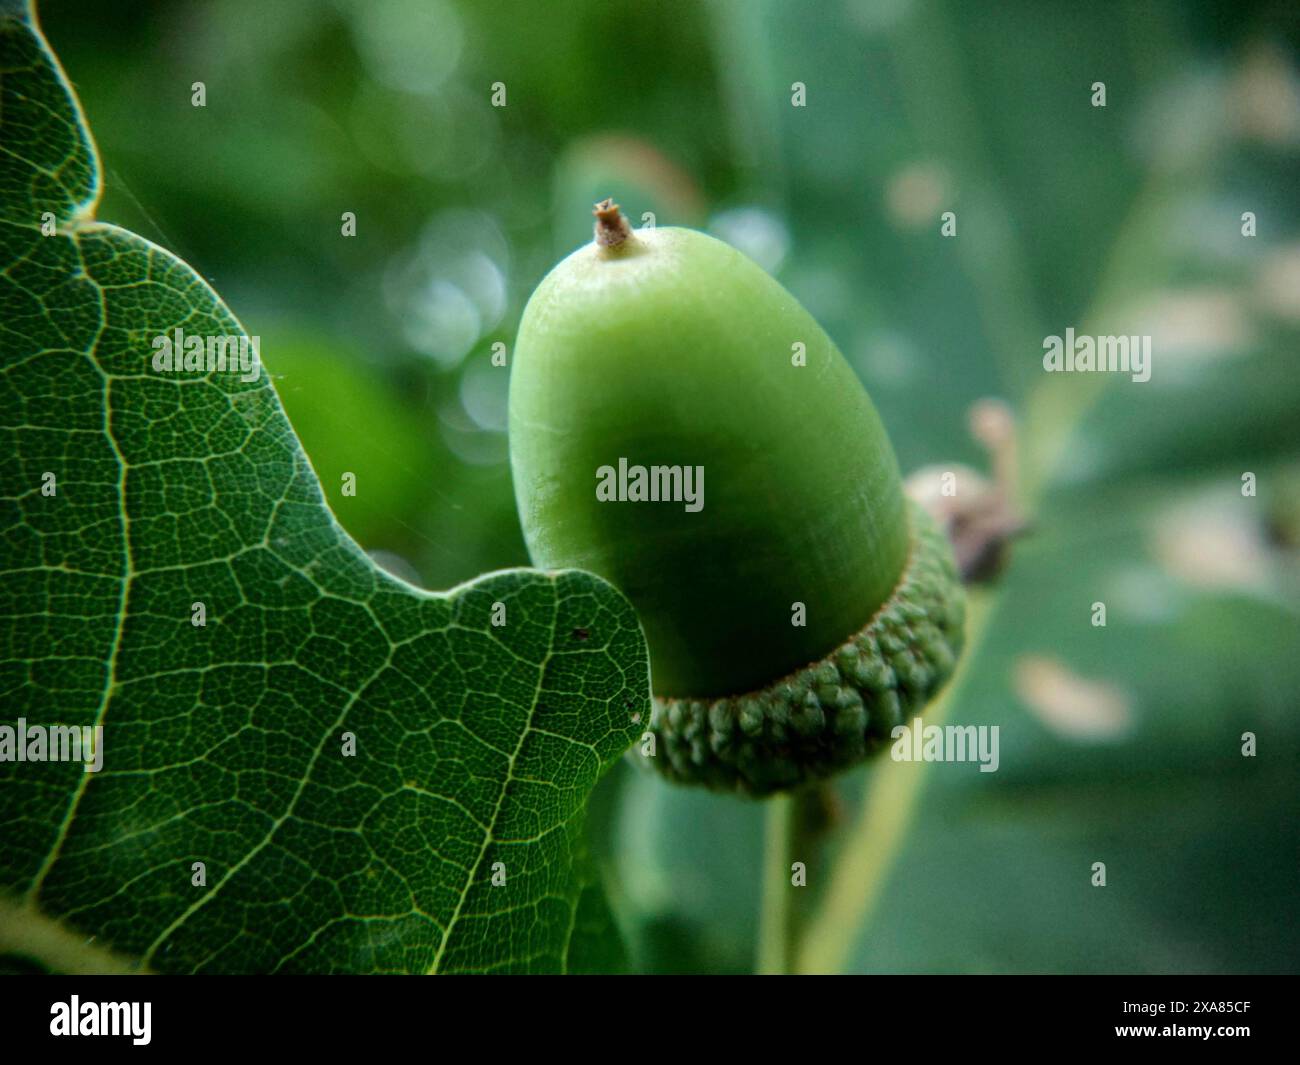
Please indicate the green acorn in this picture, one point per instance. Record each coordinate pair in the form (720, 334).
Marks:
(681, 426)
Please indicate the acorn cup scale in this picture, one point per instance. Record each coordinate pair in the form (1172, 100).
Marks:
(682, 427)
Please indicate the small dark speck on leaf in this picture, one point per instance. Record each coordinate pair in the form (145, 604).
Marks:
(580, 634)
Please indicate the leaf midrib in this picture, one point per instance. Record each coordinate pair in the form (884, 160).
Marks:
(124, 590)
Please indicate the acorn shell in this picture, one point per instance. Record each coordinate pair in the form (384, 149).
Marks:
(674, 349)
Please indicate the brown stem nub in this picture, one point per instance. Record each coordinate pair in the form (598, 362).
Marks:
(612, 228)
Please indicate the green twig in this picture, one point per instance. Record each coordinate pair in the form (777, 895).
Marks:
(795, 829)
(775, 929)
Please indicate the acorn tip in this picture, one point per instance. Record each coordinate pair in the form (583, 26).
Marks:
(612, 229)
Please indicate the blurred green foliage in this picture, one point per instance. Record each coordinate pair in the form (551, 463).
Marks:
(1067, 214)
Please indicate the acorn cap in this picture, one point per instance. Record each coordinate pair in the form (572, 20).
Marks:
(834, 712)
(785, 535)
